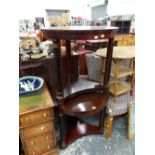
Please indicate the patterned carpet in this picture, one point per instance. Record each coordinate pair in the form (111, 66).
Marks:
(98, 145)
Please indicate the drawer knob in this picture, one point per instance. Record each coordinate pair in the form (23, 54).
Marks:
(102, 35)
(27, 119)
(95, 37)
(42, 128)
(32, 143)
(44, 114)
(33, 153)
(47, 137)
(48, 146)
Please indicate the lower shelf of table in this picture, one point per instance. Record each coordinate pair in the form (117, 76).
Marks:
(79, 129)
(122, 71)
(120, 89)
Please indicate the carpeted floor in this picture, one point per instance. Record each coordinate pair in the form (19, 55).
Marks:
(98, 145)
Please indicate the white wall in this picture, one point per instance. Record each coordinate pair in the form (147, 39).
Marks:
(35, 8)
(88, 7)
(121, 7)
(30, 9)
(98, 12)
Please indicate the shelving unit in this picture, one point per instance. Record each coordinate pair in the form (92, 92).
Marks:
(80, 98)
(124, 26)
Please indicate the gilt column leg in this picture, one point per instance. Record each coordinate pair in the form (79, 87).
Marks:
(62, 130)
(109, 127)
(101, 120)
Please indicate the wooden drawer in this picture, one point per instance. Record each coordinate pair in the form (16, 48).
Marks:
(35, 117)
(54, 152)
(38, 129)
(40, 149)
(41, 139)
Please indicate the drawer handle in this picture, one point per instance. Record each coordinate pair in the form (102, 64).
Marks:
(42, 128)
(32, 143)
(44, 114)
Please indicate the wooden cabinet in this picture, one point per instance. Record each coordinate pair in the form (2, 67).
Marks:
(124, 26)
(36, 122)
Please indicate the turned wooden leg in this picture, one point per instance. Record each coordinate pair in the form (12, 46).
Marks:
(109, 127)
(116, 73)
(132, 85)
(62, 130)
(132, 80)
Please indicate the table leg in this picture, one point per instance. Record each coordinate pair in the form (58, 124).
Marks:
(62, 130)
(133, 78)
(57, 65)
(101, 119)
(116, 72)
(109, 127)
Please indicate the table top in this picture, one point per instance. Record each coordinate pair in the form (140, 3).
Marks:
(80, 28)
(119, 52)
(34, 102)
(80, 32)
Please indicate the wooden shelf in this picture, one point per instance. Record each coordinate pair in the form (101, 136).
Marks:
(122, 71)
(122, 88)
(79, 129)
(85, 104)
(80, 86)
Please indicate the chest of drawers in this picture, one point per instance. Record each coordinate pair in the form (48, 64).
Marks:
(36, 124)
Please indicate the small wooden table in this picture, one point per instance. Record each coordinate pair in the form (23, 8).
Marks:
(120, 53)
(36, 123)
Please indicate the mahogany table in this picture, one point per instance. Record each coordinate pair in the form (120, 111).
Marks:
(82, 97)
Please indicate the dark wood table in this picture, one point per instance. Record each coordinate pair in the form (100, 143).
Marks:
(82, 97)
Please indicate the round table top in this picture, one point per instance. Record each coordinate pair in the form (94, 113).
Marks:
(119, 52)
